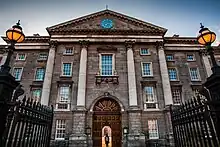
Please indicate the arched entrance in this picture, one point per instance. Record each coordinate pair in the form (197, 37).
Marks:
(107, 118)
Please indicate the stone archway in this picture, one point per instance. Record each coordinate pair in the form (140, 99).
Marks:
(107, 113)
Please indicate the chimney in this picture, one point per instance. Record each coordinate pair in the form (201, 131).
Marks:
(175, 35)
(36, 35)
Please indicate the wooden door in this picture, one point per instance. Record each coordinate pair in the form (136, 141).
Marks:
(104, 118)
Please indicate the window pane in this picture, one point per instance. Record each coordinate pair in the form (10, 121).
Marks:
(106, 64)
(17, 73)
(40, 74)
(67, 69)
(169, 57)
(149, 94)
(190, 58)
(144, 51)
(64, 94)
(194, 74)
(69, 51)
(153, 129)
(146, 69)
(172, 74)
(36, 94)
(60, 129)
(42, 56)
(176, 96)
(21, 57)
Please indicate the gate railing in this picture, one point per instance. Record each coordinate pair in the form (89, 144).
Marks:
(193, 124)
(28, 124)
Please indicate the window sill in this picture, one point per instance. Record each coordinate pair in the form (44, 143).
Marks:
(150, 76)
(68, 54)
(59, 138)
(62, 110)
(155, 109)
(145, 54)
(20, 60)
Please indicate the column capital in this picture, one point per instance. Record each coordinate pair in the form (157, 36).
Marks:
(129, 44)
(84, 43)
(203, 52)
(53, 44)
(160, 44)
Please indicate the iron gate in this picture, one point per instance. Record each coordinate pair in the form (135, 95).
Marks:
(194, 123)
(28, 123)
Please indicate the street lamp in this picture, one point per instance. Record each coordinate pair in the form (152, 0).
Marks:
(206, 38)
(212, 85)
(7, 81)
(14, 35)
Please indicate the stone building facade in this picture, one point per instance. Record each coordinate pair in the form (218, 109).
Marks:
(109, 71)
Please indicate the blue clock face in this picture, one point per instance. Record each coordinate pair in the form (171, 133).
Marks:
(107, 23)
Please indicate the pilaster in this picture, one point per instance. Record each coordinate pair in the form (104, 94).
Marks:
(131, 74)
(3, 58)
(48, 74)
(81, 94)
(206, 62)
(78, 137)
(164, 75)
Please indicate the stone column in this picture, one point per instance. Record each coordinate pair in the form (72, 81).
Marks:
(131, 74)
(3, 58)
(164, 75)
(48, 74)
(81, 94)
(206, 62)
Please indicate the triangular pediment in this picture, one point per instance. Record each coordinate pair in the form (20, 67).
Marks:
(93, 24)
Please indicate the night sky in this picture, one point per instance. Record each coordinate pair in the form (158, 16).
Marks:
(178, 16)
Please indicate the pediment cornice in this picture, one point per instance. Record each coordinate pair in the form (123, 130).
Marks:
(131, 25)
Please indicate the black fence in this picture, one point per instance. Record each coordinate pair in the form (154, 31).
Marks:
(194, 123)
(28, 124)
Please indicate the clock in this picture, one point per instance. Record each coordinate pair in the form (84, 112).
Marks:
(107, 23)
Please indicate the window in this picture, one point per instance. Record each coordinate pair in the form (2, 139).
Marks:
(106, 64)
(169, 57)
(190, 57)
(67, 69)
(68, 51)
(150, 100)
(36, 94)
(60, 129)
(153, 129)
(172, 74)
(17, 73)
(64, 98)
(177, 98)
(21, 57)
(39, 76)
(144, 51)
(147, 69)
(194, 74)
(42, 57)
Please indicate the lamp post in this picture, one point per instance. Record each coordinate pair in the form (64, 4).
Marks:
(206, 38)
(87, 132)
(126, 132)
(7, 81)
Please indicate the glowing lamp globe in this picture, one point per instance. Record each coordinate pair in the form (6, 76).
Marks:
(15, 34)
(206, 37)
